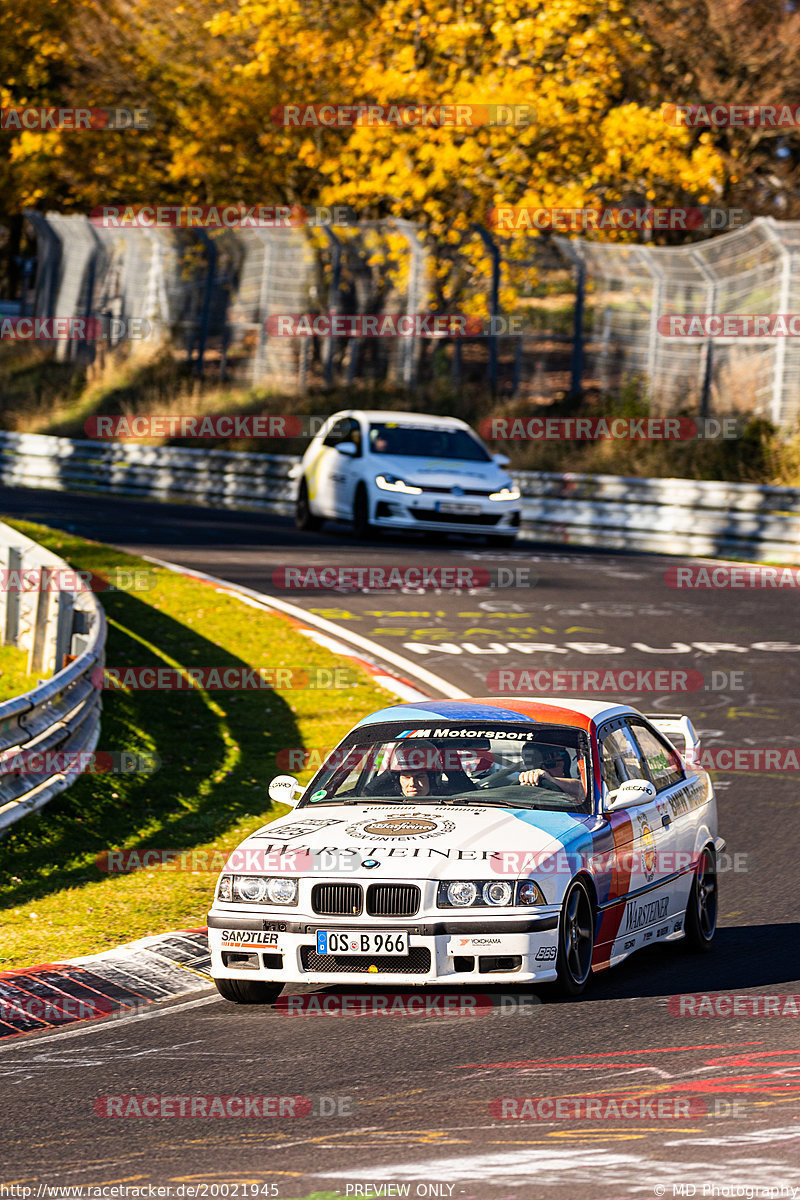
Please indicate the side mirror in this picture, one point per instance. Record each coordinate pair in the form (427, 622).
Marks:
(285, 789)
(502, 460)
(632, 791)
(348, 448)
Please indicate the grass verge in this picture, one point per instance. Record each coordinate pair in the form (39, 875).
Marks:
(14, 677)
(217, 752)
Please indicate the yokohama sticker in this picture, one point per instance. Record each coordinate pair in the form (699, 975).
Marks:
(410, 829)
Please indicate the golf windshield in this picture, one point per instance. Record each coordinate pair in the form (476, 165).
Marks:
(426, 442)
(525, 766)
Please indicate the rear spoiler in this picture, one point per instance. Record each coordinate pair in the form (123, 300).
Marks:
(679, 730)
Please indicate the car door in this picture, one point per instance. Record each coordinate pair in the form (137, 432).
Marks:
(632, 896)
(346, 470)
(324, 476)
(676, 793)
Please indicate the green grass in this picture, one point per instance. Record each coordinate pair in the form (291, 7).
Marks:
(217, 753)
(14, 677)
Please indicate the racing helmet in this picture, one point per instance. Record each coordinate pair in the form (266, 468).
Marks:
(545, 755)
(410, 757)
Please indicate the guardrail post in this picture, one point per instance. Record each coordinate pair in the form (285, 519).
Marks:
(38, 653)
(9, 596)
(66, 606)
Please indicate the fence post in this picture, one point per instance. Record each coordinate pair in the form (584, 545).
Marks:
(576, 361)
(707, 349)
(409, 346)
(205, 311)
(494, 300)
(334, 299)
(9, 597)
(38, 652)
(783, 305)
(66, 606)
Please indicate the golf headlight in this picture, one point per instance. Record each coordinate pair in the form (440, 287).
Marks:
(497, 893)
(505, 493)
(461, 895)
(392, 483)
(255, 889)
(225, 889)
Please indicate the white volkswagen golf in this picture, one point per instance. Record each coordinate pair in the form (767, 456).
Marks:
(405, 471)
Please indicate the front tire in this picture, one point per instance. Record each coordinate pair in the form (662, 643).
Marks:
(361, 526)
(304, 519)
(502, 541)
(248, 991)
(700, 923)
(575, 940)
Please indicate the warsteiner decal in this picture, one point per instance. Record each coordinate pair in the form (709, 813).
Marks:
(409, 828)
(637, 915)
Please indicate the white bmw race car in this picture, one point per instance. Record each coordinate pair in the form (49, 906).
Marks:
(405, 471)
(458, 842)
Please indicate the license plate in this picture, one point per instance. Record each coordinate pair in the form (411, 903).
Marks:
(343, 941)
(452, 506)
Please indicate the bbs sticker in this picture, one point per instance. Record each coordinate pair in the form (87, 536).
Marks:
(546, 954)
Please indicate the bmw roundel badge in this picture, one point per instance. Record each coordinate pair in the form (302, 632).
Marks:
(370, 862)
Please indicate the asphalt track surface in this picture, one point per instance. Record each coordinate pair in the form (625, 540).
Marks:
(414, 1093)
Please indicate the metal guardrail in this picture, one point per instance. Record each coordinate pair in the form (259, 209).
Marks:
(63, 628)
(671, 516)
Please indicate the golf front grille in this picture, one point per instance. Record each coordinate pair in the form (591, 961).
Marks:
(337, 899)
(393, 899)
(416, 962)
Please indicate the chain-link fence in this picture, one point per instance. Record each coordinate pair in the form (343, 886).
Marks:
(589, 311)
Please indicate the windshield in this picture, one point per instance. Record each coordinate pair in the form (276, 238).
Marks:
(426, 442)
(525, 766)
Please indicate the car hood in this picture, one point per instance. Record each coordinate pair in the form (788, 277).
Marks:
(411, 841)
(442, 472)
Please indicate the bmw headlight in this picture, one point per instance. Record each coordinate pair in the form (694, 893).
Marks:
(393, 483)
(257, 889)
(505, 493)
(529, 892)
(498, 893)
(461, 895)
(489, 893)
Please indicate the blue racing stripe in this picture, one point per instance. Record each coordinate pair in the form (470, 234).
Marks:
(446, 710)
